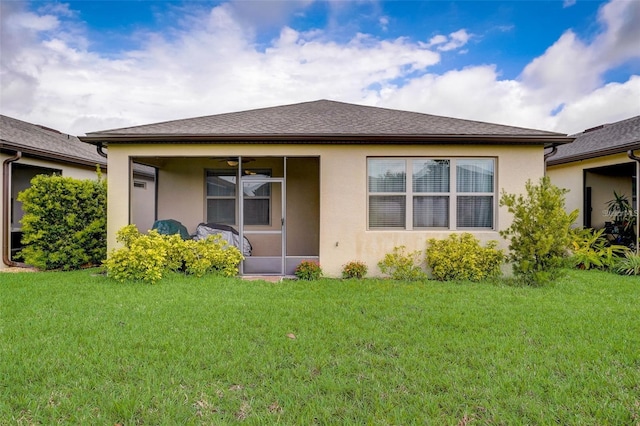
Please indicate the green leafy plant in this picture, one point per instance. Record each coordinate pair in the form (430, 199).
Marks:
(64, 222)
(461, 257)
(620, 210)
(355, 269)
(591, 250)
(308, 270)
(147, 257)
(539, 235)
(402, 265)
(629, 264)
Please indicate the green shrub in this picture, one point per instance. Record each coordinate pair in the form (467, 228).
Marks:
(143, 258)
(355, 269)
(210, 255)
(308, 270)
(629, 264)
(148, 257)
(539, 235)
(461, 257)
(400, 265)
(64, 222)
(590, 250)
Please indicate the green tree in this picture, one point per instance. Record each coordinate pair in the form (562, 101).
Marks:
(540, 234)
(64, 222)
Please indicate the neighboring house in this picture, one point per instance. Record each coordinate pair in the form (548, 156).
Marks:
(27, 150)
(325, 180)
(600, 161)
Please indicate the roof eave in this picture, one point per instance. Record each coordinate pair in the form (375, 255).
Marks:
(106, 139)
(36, 153)
(621, 149)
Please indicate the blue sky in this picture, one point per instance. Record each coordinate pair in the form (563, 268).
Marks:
(84, 66)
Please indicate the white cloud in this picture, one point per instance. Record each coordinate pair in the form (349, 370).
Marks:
(607, 104)
(455, 40)
(211, 64)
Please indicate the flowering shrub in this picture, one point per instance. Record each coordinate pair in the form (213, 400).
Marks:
(462, 258)
(308, 270)
(354, 269)
(148, 257)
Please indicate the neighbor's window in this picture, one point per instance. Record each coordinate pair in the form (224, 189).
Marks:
(418, 193)
(222, 198)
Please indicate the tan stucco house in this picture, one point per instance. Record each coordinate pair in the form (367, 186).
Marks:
(325, 180)
(600, 161)
(27, 150)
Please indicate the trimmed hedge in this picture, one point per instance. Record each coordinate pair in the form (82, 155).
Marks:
(64, 222)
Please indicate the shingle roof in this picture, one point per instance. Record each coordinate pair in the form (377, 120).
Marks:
(44, 142)
(321, 119)
(603, 140)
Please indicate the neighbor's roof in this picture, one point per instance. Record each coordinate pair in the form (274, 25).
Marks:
(606, 139)
(43, 142)
(324, 121)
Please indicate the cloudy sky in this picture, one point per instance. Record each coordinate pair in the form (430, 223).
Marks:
(85, 66)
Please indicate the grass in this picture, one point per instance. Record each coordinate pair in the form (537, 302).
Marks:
(78, 348)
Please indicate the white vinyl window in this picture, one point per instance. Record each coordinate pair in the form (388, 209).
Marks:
(424, 193)
(222, 200)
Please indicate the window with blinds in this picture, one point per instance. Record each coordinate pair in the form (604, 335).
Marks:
(418, 193)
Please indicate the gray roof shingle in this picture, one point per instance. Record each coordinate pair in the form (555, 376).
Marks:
(42, 141)
(323, 118)
(602, 140)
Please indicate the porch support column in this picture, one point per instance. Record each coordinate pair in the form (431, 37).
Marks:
(632, 156)
(118, 194)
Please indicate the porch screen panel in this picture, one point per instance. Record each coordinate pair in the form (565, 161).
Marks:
(221, 196)
(221, 211)
(256, 203)
(387, 193)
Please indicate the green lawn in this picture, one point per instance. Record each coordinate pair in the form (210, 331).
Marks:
(78, 348)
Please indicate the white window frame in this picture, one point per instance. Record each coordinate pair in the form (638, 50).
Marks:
(453, 194)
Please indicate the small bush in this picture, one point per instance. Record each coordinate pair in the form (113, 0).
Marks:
(590, 250)
(64, 222)
(308, 270)
(539, 236)
(463, 258)
(629, 264)
(400, 265)
(354, 269)
(148, 257)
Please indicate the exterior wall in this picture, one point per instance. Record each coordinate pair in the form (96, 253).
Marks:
(303, 206)
(143, 202)
(602, 188)
(571, 176)
(18, 184)
(343, 234)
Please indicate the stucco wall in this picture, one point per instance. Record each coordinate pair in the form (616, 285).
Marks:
(571, 176)
(343, 234)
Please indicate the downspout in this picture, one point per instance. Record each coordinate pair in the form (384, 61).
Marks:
(632, 156)
(554, 149)
(100, 151)
(6, 205)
